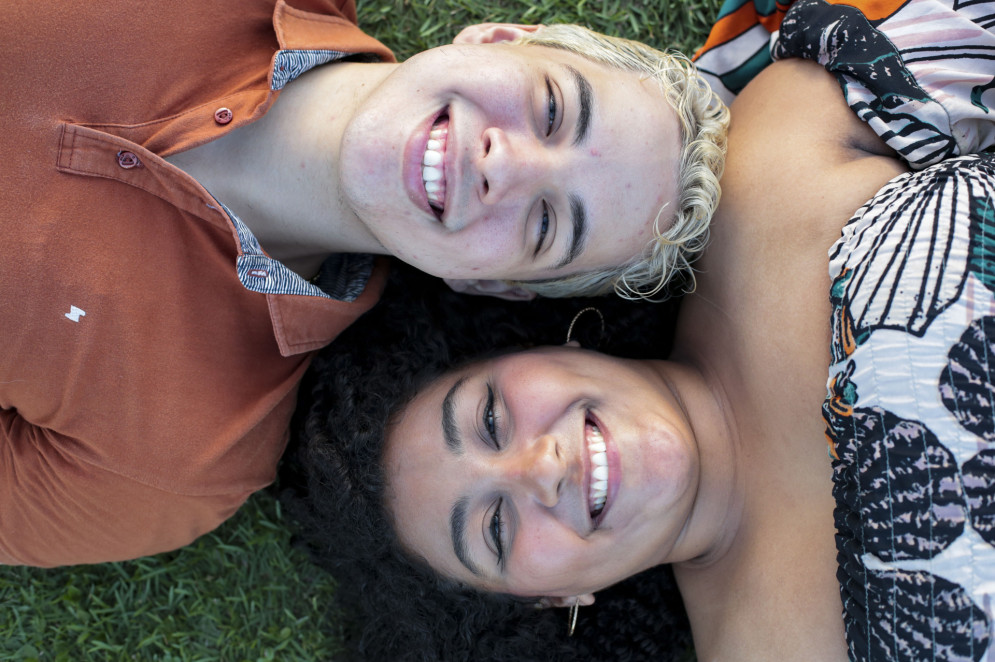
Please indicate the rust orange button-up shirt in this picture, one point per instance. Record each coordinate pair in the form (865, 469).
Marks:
(150, 354)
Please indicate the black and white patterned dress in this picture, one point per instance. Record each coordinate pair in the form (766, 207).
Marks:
(910, 414)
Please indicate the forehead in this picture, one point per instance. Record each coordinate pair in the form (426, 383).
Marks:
(424, 478)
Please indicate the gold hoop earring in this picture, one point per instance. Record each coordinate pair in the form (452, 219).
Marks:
(570, 330)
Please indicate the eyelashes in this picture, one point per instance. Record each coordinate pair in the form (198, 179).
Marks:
(490, 419)
(551, 108)
(496, 529)
(543, 229)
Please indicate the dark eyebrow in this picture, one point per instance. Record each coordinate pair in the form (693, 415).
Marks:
(454, 441)
(578, 218)
(457, 531)
(578, 213)
(450, 429)
(585, 102)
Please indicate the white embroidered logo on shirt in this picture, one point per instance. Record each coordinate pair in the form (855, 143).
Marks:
(75, 313)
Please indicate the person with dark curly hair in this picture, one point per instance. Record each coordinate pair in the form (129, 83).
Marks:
(332, 485)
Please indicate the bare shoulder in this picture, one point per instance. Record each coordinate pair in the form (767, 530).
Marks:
(800, 162)
(805, 105)
(774, 595)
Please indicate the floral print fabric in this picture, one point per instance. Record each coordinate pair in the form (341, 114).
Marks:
(910, 415)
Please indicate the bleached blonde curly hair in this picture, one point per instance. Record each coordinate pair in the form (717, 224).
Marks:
(704, 121)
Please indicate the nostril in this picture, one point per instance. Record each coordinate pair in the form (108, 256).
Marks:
(559, 487)
(487, 187)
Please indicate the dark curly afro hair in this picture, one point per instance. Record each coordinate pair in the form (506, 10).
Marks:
(393, 608)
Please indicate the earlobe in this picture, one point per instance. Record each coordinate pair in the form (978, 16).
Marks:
(491, 288)
(583, 600)
(493, 33)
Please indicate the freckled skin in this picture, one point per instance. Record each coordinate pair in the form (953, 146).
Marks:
(503, 168)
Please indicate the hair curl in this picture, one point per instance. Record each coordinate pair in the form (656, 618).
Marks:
(704, 121)
(331, 483)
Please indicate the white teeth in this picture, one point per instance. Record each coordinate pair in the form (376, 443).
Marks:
(599, 470)
(432, 158)
(433, 169)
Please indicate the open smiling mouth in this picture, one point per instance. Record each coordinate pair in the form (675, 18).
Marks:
(598, 491)
(433, 170)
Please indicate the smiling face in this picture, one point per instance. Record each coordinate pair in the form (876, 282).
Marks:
(512, 162)
(554, 472)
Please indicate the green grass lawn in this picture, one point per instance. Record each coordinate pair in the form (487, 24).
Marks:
(241, 593)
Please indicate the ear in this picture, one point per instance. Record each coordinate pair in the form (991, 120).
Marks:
(584, 600)
(491, 288)
(493, 33)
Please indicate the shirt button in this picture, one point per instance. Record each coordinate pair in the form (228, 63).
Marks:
(222, 116)
(128, 160)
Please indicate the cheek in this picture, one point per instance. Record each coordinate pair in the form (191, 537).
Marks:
(488, 241)
(551, 556)
(672, 462)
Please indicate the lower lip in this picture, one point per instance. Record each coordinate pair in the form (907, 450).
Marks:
(414, 153)
(614, 470)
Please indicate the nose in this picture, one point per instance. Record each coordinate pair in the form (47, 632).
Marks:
(541, 470)
(507, 165)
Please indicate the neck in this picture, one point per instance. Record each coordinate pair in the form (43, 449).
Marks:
(716, 516)
(280, 174)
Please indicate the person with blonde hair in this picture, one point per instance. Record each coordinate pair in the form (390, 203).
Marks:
(681, 233)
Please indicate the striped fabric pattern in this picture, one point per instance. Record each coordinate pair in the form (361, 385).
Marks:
(289, 64)
(921, 73)
(261, 273)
